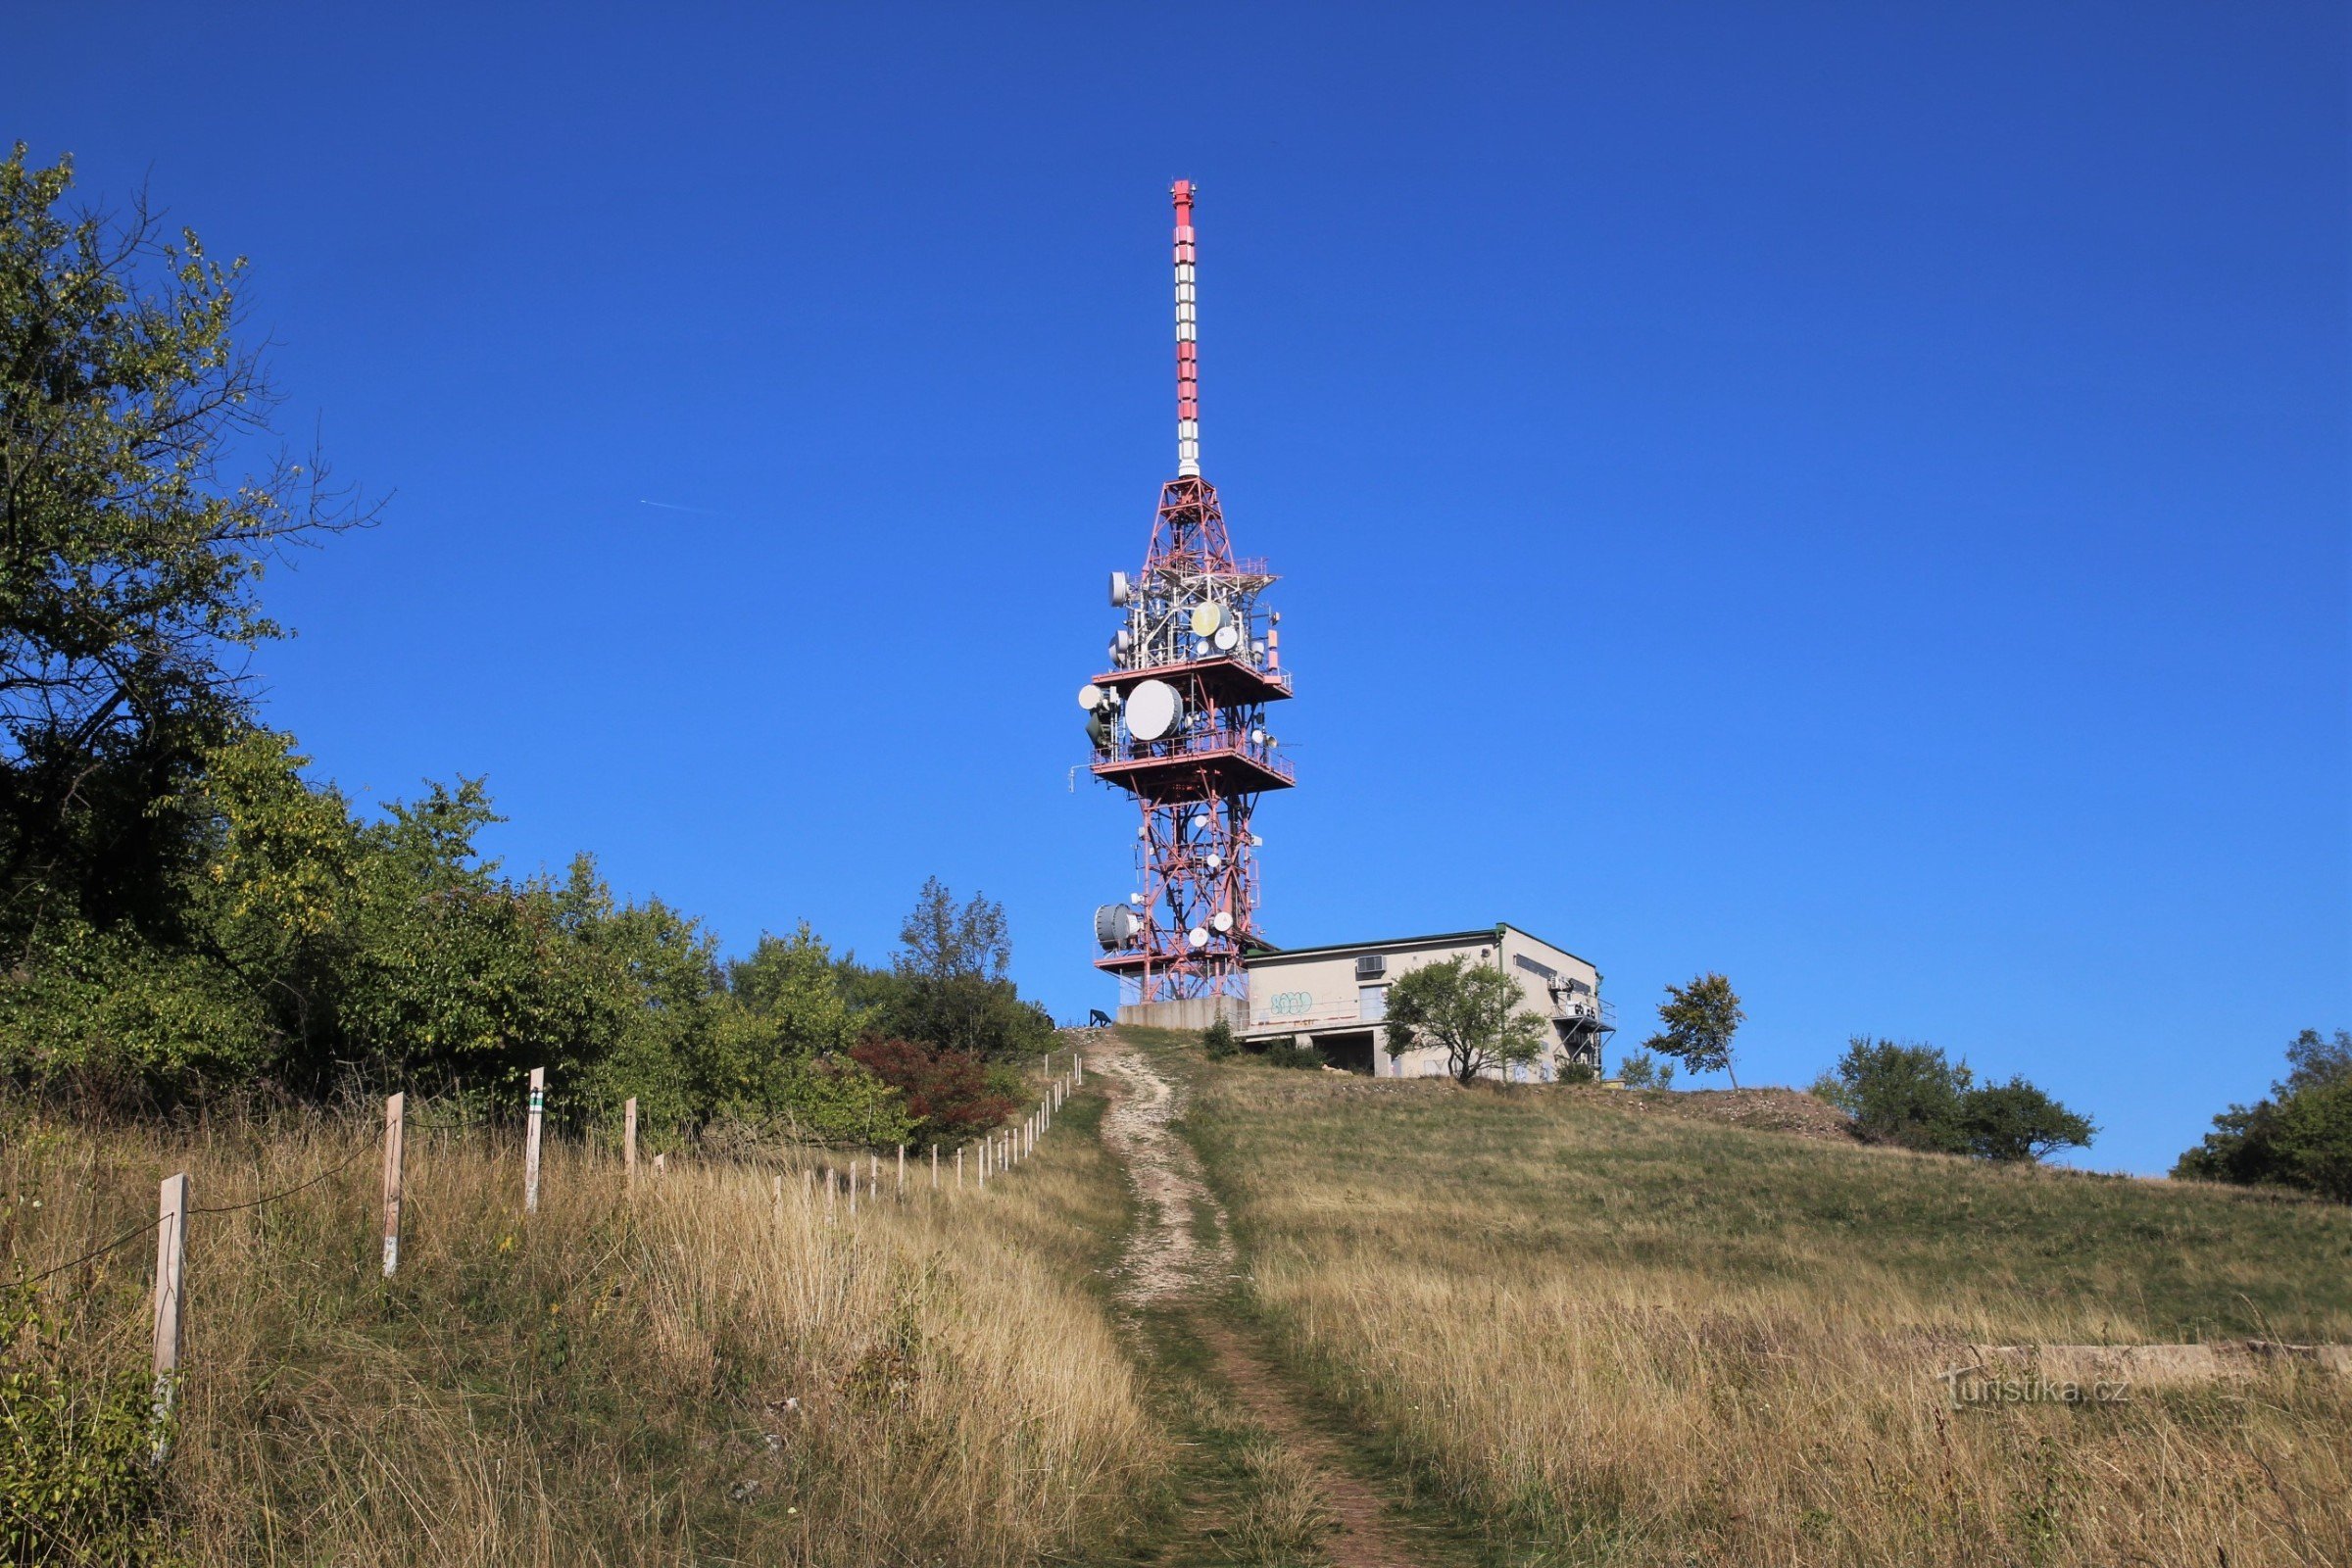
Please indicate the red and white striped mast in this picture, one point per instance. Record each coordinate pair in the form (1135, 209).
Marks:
(1188, 360)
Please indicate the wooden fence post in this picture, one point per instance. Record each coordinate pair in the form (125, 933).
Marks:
(829, 1200)
(628, 1138)
(1077, 1068)
(873, 1178)
(980, 1164)
(396, 1118)
(530, 1142)
(661, 1164)
(901, 1170)
(935, 1167)
(959, 1168)
(171, 1269)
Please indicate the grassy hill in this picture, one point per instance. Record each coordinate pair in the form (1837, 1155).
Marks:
(1613, 1334)
(1539, 1325)
(699, 1374)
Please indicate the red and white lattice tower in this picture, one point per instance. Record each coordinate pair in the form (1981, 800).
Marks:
(1179, 721)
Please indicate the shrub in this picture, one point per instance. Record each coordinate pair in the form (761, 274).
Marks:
(947, 1092)
(1641, 1070)
(1908, 1094)
(76, 1478)
(2016, 1122)
(1579, 1072)
(1290, 1054)
(1913, 1097)
(2300, 1137)
(1218, 1040)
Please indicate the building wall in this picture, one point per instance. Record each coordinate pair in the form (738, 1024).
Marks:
(1316, 995)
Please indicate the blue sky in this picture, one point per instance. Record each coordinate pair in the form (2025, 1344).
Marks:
(1850, 496)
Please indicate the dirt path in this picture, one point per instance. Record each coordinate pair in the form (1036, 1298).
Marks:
(1182, 1257)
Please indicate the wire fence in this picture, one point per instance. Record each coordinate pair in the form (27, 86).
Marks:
(996, 1151)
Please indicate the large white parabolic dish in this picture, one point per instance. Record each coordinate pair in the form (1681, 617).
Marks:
(1153, 710)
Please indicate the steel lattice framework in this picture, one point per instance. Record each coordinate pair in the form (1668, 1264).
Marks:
(1179, 720)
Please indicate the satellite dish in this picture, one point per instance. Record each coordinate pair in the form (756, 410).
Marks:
(1090, 696)
(1123, 639)
(1222, 920)
(1197, 936)
(1258, 737)
(1208, 617)
(1203, 820)
(1136, 899)
(1114, 925)
(1256, 843)
(1202, 647)
(1227, 638)
(1153, 710)
(1216, 863)
(1120, 592)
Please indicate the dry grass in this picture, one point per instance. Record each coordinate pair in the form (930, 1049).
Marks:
(699, 1374)
(1641, 1340)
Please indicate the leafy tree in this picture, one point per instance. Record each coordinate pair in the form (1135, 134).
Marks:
(1900, 1094)
(1701, 1019)
(1913, 1097)
(947, 985)
(2014, 1123)
(2301, 1136)
(1471, 1011)
(131, 548)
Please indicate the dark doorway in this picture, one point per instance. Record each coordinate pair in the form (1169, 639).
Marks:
(1348, 1053)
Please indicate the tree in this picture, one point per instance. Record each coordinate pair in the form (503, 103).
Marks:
(1897, 1093)
(1701, 1019)
(947, 985)
(129, 551)
(2299, 1136)
(2015, 1122)
(1472, 1011)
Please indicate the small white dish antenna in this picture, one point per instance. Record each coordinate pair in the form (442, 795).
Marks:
(1222, 920)
(1226, 639)
(1216, 863)
(1197, 936)
(1203, 820)
(1256, 843)
(1120, 590)
(1208, 617)
(1090, 696)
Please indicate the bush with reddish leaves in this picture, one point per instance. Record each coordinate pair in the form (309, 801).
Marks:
(947, 1091)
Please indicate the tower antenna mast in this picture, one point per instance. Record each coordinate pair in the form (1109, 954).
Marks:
(1178, 721)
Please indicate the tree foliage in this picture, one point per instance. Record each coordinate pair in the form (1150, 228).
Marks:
(1471, 1011)
(1915, 1096)
(133, 536)
(1699, 1020)
(2301, 1136)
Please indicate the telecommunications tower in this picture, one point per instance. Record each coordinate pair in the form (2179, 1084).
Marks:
(1178, 721)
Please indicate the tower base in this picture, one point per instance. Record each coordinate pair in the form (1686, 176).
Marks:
(1187, 1013)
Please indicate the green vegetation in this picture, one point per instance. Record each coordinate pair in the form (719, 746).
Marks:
(1608, 1334)
(2299, 1136)
(191, 920)
(1698, 1022)
(1915, 1098)
(705, 1369)
(1471, 1013)
(1641, 1070)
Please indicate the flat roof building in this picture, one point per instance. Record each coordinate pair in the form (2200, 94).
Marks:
(1334, 999)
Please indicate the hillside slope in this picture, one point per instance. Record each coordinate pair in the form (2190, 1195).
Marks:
(1617, 1336)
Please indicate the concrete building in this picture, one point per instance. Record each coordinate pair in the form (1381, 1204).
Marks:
(1335, 998)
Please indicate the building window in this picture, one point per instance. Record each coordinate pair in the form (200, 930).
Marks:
(1371, 1004)
(1371, 966)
